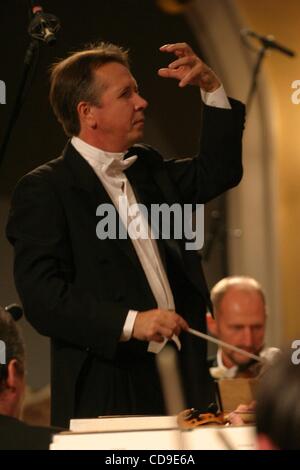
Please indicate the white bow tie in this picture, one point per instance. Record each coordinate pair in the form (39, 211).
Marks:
(115, 166)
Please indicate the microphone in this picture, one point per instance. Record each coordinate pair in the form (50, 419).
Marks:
(43, 26)
(15, 311)
(268, 42)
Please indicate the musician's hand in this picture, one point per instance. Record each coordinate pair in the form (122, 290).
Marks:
(188, 68)
(158, 324)
(243, 414)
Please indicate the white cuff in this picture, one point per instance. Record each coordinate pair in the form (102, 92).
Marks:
(128, 326)
(216, 99)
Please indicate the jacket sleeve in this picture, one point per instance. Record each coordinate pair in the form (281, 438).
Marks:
(218, 165)
(44, 274)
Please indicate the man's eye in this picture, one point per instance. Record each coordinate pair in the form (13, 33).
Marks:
(126, 93)
(257, 327)
(237, 328)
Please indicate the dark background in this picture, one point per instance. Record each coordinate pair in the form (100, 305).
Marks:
(141, 26)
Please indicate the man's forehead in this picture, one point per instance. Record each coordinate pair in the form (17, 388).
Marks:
(243, 295)
(241, 305)
(243, 318)
(115, 74)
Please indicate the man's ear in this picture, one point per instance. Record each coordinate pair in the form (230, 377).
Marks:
(15, 376)
(14, 389)
(85, 114)
(211, 324)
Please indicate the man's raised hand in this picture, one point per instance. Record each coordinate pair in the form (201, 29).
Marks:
(188, 68)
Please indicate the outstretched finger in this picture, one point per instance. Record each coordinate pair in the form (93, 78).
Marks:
(169, 73)
(186, 60)
(179, 49)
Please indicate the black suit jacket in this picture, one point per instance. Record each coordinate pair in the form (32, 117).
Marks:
(78, 289)
(16, 435)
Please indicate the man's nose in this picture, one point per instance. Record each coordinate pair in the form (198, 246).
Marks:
(248, 337)
(140, 103)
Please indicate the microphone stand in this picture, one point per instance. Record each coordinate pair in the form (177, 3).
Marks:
(267, 42)
(30, 54)
(261, 55)
(30, 60)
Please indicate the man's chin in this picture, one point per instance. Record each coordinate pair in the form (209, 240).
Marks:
(138, 137)
(241, 361)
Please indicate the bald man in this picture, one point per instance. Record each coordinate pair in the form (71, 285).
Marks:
(240, 320)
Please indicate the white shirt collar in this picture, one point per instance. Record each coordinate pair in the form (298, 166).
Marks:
(95, 156)
(231, 370)
(220, 371)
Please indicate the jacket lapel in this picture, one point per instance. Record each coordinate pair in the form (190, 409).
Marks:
(153, 185)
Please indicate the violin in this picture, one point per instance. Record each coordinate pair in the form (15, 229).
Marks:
(192, 418)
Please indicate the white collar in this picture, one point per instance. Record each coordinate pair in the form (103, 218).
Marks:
(221, 364)
(95, 156)
(220, 371)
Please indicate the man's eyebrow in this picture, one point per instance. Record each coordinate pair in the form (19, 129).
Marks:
(128, 86)
(123, 87)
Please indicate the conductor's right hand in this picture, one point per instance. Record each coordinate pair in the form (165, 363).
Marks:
(157, 324)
